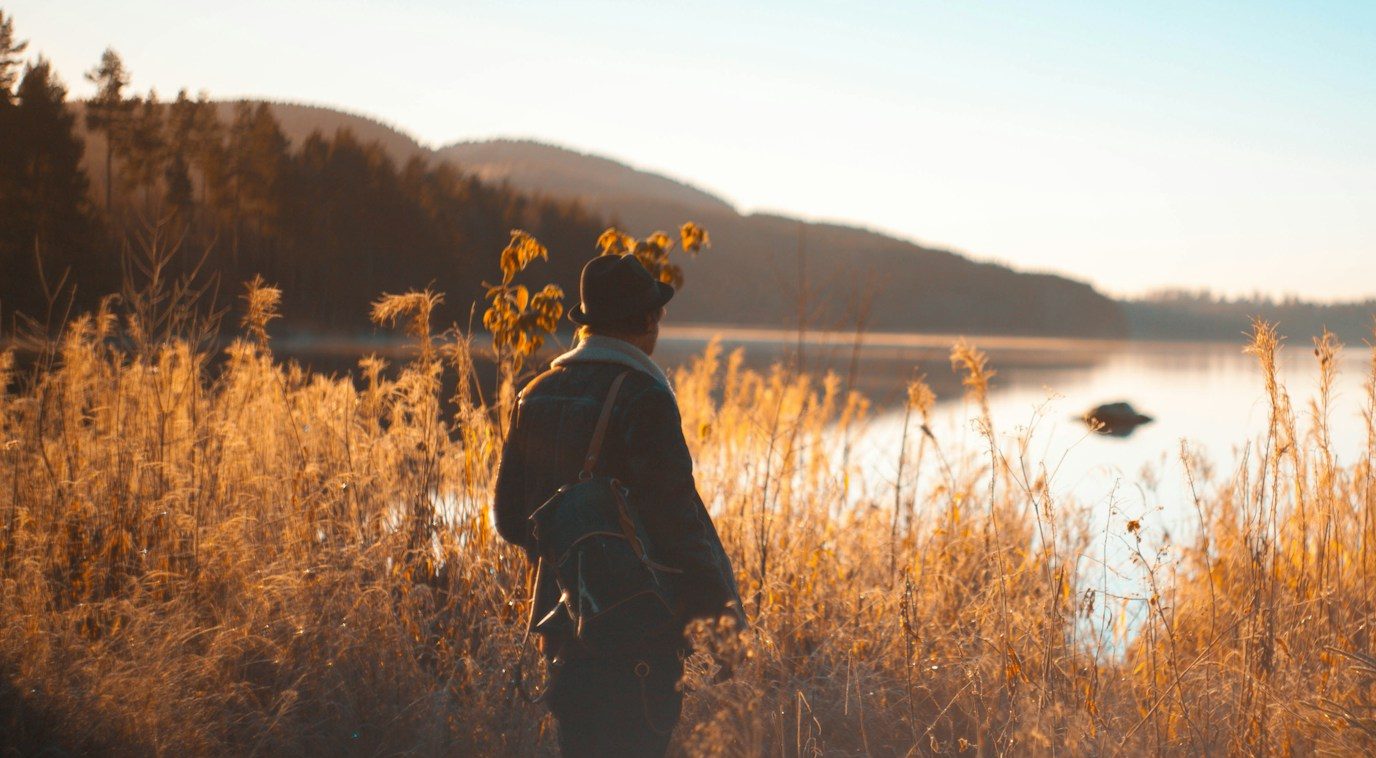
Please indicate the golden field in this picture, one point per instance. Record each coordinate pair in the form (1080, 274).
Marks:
(257, 559)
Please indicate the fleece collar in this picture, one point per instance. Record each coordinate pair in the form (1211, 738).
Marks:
(596, 348)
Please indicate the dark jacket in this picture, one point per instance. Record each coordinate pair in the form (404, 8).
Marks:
(644, 448)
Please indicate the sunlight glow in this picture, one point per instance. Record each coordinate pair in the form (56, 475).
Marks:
(1228, 146)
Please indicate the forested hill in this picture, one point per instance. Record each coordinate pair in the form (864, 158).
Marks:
(337, 208)
(333, 220)
(1173, 315)
(602, 183)
(774, 270)
(298, 121)
(753, 271)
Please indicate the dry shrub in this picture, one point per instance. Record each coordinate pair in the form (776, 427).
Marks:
(259, 559)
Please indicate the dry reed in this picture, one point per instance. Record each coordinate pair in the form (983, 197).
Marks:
(259, 559)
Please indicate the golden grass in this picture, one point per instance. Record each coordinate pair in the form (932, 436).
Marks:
(264, 560)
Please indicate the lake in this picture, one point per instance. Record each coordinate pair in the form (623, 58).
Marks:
(1210, 395)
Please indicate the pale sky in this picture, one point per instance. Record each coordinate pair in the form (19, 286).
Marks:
(1135, 145)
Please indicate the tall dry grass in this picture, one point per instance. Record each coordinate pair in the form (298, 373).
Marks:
(257, 559)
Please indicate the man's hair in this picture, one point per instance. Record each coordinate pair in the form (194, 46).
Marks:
(627, 326)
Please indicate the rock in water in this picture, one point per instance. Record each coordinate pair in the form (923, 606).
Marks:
(1116, 419)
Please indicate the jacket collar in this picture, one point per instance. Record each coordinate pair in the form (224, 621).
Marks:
(597, 348)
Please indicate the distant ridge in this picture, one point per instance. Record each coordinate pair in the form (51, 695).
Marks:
(298, 120)
(598, 181)
(762, 262)
(765, 269)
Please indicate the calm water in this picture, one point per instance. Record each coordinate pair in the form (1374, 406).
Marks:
(1209, 395)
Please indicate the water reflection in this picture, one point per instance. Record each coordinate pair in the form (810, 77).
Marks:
(880, 365)
(1208, 396)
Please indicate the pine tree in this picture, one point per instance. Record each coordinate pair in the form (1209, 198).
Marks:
(144, 148)
(181, 119)
(108, 112)
(10, 50)
(46, 218)
(268, 164)
(10, 153)
(257, 164)
(234, 174)
(206, 149)
(196, 153)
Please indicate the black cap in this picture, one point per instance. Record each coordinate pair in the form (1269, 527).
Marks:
(616, 287)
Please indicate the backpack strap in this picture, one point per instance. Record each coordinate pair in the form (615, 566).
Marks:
(595, 449)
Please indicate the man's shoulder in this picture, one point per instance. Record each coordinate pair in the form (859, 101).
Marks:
(641, 387)
(589, 378)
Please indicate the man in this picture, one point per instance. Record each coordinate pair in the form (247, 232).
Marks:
(624, 702)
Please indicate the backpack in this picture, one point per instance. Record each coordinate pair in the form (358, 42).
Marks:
(613, 595)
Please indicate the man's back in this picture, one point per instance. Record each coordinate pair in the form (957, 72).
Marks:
(644, 448)
(549, 436)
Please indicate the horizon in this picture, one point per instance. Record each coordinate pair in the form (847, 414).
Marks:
(1186, 172)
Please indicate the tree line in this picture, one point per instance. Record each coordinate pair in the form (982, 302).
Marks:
(1204, 315)
(333, 220)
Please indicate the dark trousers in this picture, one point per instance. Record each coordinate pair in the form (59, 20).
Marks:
(616, 706)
